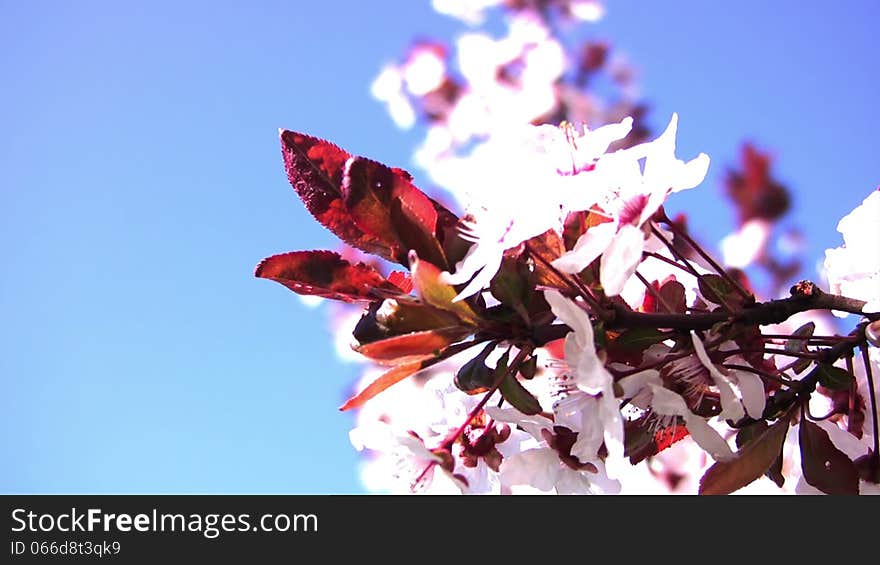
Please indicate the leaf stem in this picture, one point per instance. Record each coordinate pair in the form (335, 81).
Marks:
(872, 395)
(667, 260)
(702, 253)
(574, 283)
(511, 370)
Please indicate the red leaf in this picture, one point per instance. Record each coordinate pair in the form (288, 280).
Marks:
(412, 346)
(643, 439)
(392, 377)
(366, 204)
(556, 348)
(549, 246)
(754, 191)
(749, 463)
(824, 466)
(383, 200)
(326, 274)
(315, 170)
(673, 295)
(667, 436)
(401, 280)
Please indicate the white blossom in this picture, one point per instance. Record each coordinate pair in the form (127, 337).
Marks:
(853, 269)
(531, 168)
(631, 194)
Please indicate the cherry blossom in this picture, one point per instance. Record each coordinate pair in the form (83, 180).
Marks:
(585, 378)
(535, 166)
(632, 194)
(853, 269)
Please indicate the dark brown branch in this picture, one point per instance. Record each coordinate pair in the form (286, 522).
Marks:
(805, 296)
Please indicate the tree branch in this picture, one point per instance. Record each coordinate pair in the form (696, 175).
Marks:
(805, 296)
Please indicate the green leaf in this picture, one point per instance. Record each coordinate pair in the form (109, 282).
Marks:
(794, 345)
(509, 287)
(529, 368)
(637, 339)
(716, 289)
(834, 378)
(516, 394)
(824, 466)
(801, 365)
(749, 463)
(474, 376)
(402, 316)
(750, 432)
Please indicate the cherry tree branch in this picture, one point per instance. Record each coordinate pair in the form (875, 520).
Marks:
(805, 296)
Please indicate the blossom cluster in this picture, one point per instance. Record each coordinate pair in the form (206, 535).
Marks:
(564, 363)
(563, 335)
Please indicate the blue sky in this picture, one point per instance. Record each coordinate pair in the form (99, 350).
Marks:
(142, 182)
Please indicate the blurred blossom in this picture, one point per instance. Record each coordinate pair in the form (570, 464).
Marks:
(310, 301)
(425, 69)
(587, 10)
(743, 247)
(388, 88)
(468, 11)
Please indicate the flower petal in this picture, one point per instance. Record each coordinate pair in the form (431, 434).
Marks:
(589, 246)
(751, 387)
(669, 403)
(633, 384)
(482, 279)
(731, 407)
(589, 432)
(538, 468)
(612, 423)
(621, 259)
(596, 142)
(571, 315)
